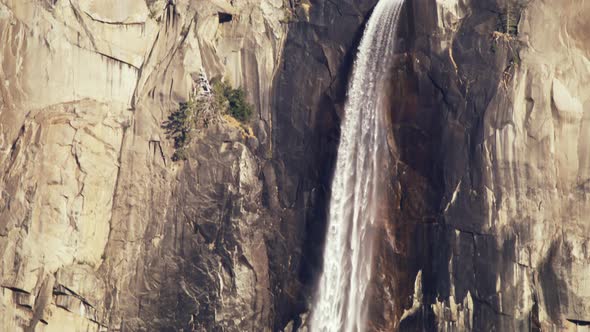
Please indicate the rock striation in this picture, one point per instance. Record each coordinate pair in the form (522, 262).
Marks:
(99, 229)
(488, 115)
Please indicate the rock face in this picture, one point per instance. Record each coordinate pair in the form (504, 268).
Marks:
(101, 230)
(489, 117)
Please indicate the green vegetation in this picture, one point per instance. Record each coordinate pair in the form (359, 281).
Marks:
(509, 19)
(232, 100)
(181, 124)
(505, 36)
(202, 110)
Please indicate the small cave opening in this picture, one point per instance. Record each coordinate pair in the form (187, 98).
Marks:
(224, 17)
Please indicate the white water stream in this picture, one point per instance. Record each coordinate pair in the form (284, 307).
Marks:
(341, 301)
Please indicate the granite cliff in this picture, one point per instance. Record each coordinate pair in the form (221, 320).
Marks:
(100, 230)
(489, 220)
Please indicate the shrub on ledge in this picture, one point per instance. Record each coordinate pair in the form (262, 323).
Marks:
(179, 127)
(232, 100)
(200, 110)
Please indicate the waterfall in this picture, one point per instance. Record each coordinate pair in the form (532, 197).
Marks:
(341, 301)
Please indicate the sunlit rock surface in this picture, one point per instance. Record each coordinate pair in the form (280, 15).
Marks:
(99, 229)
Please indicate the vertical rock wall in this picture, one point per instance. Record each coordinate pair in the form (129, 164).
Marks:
(99, 229)
(489, 111)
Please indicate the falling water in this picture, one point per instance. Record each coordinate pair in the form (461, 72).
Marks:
(341, 302)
